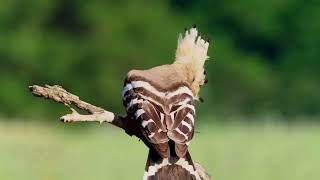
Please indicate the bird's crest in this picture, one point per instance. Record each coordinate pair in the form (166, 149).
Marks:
(191, 55)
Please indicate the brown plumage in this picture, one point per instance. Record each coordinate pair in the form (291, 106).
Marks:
(161, 101)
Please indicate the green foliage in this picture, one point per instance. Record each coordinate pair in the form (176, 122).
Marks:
(264, 54)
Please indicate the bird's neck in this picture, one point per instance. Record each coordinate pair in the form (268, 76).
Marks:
(185, 70)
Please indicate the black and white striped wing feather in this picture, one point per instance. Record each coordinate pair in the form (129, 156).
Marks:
(162, 116)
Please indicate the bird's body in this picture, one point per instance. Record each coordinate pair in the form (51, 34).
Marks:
(165, 110)
(161, 101)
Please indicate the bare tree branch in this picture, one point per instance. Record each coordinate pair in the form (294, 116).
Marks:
(60, 95)
(96, 114)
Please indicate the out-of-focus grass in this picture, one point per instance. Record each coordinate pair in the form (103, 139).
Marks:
(261, 152)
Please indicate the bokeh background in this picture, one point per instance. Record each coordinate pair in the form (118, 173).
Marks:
(260, 119)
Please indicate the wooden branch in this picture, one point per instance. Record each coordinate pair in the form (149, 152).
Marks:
(96, 114)
(60, 95)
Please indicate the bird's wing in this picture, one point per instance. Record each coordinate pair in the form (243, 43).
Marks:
(182, 129)
(146, 109)
(162, 116)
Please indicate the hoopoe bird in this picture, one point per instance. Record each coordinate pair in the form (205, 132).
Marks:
(161, 100)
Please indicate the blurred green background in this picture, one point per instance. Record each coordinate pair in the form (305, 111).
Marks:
(262, 103)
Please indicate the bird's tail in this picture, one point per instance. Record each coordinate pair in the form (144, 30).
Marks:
(192, 53)
(172, 168)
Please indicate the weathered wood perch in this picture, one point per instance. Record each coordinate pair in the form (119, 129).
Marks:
(96, 114)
